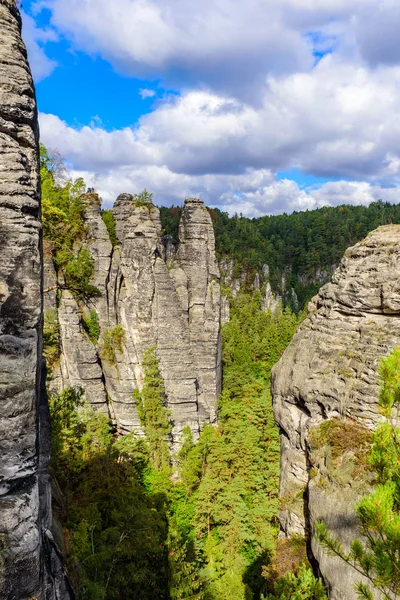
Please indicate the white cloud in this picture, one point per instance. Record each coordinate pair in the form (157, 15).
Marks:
(227, 45)
(41, 65)
(128, 161)
(146, 93)
(254, 99)
(337, 121)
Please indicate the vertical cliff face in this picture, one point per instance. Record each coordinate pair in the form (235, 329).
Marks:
(26, 549)
(164, 298)
(330, 371)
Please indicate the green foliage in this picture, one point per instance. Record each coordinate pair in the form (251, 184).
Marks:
(288, 555)
(303, 246)
(51, 337)
(63, 219)
(231, 476)
(64, 421)
(154, 417)
(115, 531)
(108, 218)
(377, 557)
(144, 198)
(62, 208)
(136, 529)
(298, 586)
(92, 326)
(111, 342)
(78, 273)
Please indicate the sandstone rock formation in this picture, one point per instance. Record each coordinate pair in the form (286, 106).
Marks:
(29, 563)
(234, 277)
(330, 370)
(163, 297)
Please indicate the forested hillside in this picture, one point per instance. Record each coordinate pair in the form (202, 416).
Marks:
(137, 527)
(302, 246)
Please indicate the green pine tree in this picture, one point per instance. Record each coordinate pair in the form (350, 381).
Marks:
(377, 554)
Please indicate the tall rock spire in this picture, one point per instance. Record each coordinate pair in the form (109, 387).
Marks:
(166, 299)
(25, 542)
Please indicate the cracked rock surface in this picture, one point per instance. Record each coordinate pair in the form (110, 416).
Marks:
(164, 297)
(29, 561)
(330, 370)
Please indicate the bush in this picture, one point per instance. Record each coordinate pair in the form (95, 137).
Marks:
(51, 337)
(144, 198)
(287, 557)
(298, 586)
(343, 436)
(111, 342)
(78, 273)
(108, 218)
(92, 326)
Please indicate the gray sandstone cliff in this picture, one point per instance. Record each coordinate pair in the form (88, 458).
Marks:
(164, 298)
(29, 562)
(330, 370)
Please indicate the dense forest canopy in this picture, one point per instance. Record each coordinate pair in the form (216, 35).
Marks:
(302, 246)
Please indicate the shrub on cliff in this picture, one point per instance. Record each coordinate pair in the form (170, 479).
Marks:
(111, 343)
(377, 555)
(78, 273)
(108, 218)
(143, 198)
(62, 209)
(51, 337)
(91, 325)
(64, 226)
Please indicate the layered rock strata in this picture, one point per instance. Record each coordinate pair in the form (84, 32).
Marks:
(164, 298)
(330, 370)
(29, 561)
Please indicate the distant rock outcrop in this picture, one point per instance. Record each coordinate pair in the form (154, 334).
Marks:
(162, 297)
(29, 561)
(330, 370)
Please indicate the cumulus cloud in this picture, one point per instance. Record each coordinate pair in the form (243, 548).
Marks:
(130, 160)
(228, 45)
(338, 121)
(264, 87)
(34, 37)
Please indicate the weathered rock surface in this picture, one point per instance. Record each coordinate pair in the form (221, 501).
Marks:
(330, 370)
(235, 278)
(163, 297)
(29, 561)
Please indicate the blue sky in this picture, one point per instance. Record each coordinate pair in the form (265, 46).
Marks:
(261, 109)
(84, 87)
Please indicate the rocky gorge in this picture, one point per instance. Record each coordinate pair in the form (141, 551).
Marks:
(146, 293)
